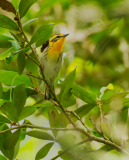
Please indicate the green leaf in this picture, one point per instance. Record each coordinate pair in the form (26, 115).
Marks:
(82, 111)
(42, 34)
(5, 44)
(1, 90)
(105, 129)
(16, 3)
(24, 6)
(6, 53)
(7, 77)
(2, 157)
(3, 119)
(68, 100)
(10, 111)
(45, 103)
(86, 96)
(95, 133)
(40, 135)
(43, 151)
(26, 112)
(15, 45)
(21, 62)
(103, 89)
(56, 81)
(30, 22)
(2, 102)
(67, 140)
(54, 119)
(11, 140)
(19, 97)
(7, 6)
(5, 37)
(6, 22)
(67, 84)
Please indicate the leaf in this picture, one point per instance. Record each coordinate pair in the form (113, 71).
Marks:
(40, 135)
(3, 119)
(54, 119)
(67, 84)
(11, 140)
(86, 96)
(10, 111)
(15, 45)
(82, 111)
(1, 90)
(7, 77)
(43, 104)
(26, 112)
(42, 34)
(30, 22)
(105, 129)
(67, 140)
(21, 62)
(5, 37)
(2, 102)
(16, 3)
(103, 89)
(5, 44)
(43, 151)
(2, 157)
(6, 22)
(19, 97)
(24, 6)
(6, 53)
(56, 81)
(68, 100)
(7, 6)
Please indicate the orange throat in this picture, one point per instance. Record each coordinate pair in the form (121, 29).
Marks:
(56, 49)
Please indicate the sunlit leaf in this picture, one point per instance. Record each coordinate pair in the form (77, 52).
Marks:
(19, 97)
(43, 151)
(26, 112)
(6, 22)
(42, 34)
(7, 6)
(24, 6)
(6, 53)
(16, 3)
(2, 157)
(87, 96)
(7, 77)
(21, 62)
(105, 129)
(15, 45)
(40, 135)
(5, 44)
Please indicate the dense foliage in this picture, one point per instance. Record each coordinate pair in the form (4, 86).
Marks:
(89, 117)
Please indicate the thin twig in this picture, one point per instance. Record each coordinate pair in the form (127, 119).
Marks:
(72, 112)
(71, 147)
(100, 110)
(34, 76)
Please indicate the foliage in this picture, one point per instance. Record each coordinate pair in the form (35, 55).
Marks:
(80, 114)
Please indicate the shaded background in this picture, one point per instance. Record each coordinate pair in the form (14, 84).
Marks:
(97, 44)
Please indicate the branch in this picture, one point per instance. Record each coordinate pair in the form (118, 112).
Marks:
(37, 127)
(72, 112)
(100, 110)
(71, 147)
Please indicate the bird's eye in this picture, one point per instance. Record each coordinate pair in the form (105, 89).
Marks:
(58, 37)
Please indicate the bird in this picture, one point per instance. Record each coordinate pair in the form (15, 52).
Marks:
(51, 60)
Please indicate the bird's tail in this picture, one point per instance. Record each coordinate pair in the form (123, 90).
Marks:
(48, 95)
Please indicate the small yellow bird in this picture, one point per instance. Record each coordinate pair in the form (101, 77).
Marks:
(51, 59)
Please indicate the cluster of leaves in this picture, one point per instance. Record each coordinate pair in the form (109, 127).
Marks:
(15, 87)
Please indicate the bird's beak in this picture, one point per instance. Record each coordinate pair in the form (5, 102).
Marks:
(65, 35)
